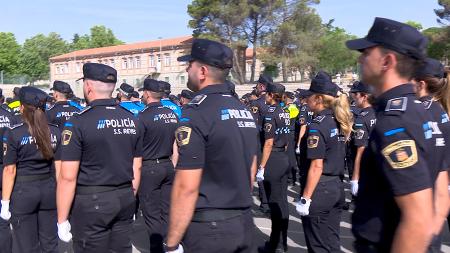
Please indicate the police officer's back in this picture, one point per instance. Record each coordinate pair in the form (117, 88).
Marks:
(125, 92)
(166, 102)
(63, 109)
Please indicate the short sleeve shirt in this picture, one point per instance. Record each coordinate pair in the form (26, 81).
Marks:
(276, 125)
(364, 123)
(61, 112)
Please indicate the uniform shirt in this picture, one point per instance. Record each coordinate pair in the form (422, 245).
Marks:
(364, 123)
(277, 126)
(218, 134)
(20, 148)
(61, 112)
(6, 120)
(325, 141)
(259, 108)
(394, 164)
(172, 106)
(105, 138)
(131, 106)
(305, 116)
(159, 124)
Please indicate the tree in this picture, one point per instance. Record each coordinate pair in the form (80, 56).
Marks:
(80, 42)
(439, 42)
(444, 13)
(35, 54)
(415, 24)
(9, 53)
(102, 37)
(333, 54)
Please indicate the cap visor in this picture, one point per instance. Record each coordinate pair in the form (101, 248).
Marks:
(359, 44)
(185, 58)
(140, 89)
(81, 78)
(307, 93)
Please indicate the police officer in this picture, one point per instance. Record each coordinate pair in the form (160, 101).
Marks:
(6, 120)
(394, 206)
(157, 168)
(217, 140)
(364, 123)
(432, 88)
(63, 109)
(125, 92)
(166, 102)
(274, 166)
(14, 105)
(291, 108)
(28, 186)
(321, 189)
(100, 172)
(135, 98)
(185, 97)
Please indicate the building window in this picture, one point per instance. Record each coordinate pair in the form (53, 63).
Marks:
(159, 57)
(167, 60)
(78, 67)
(167, 79)
(57, 69)
(182, 80)
(151, 61)
(138, 62)
(130, 63)
(124, 63)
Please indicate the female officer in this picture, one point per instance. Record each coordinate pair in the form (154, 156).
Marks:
(274, 166)
(322, 189)
(432, 88)
(29, 153)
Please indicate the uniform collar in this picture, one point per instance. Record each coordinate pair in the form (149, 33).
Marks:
(403, 90)
(154, 104)
(325, 112)
(214, 89)
(426, 98)
(62, 102)
(103, 102)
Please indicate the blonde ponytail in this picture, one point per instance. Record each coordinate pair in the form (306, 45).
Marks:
(341, 109)
(443, 95)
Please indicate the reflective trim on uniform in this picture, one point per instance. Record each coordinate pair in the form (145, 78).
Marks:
(394, 131)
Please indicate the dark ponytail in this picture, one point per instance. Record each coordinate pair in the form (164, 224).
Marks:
(38, 127)
(439, 88)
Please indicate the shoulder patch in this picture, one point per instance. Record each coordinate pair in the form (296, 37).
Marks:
(319, 118)
(197, 100)
(66, 136)
(401, 154)
(183, 135)
(16, 126)
(359, 134)
(254, 109)
(313, 141)
(427, 103)
(396, 104)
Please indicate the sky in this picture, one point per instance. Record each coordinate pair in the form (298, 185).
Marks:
(144, 20)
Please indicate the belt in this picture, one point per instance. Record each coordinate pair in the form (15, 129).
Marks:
(81, 189)
(216, 214)
(281, 149)
(30, 178)
(156, 161)
(326, 178)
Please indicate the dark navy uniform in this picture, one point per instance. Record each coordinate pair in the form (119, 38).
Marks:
(61, 111)
(218, 135)
(33, 200)
(131, 106)
(158, 172)
(6, 120)
(105, 138)
(324, 141)
(364, 123)
(395, 163)
(276, 126)
(172, 106)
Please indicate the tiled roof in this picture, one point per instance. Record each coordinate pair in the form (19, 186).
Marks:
(92, 52)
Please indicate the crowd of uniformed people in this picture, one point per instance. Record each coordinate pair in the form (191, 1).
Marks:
(80, 170)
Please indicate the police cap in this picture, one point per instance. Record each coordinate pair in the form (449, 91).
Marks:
(187, 94)
(33, 96)
(16, 91)
(392, 35)
(99, 72)
(62, 87)
(166, 87)
(360, 87)
(277, 88)
(265, 79)
(431, 68)
(289, 95)
(210, 52)
(322, 84)
(126, 89)
(152, 85)
(135, 94)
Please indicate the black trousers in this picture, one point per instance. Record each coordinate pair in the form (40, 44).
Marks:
(154, 198)
(234, 235)
(33, 209)
(102, 222)
(261, 190)
(292, 158)
(321, 226)
(5, 235)
(275, 183)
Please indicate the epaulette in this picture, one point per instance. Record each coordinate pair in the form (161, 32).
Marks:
(396, 104)
(87, 108)
(197, 100)
(319, 118)
(271, 109)
(50, 107)
(364, 113)
(15, 126)
(51, 124)
(427, 103)
(6, 108)
(76, 105)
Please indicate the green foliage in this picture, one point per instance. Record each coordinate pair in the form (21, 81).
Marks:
(415, 24)
(35, 54)
(100, 36)
(444, 12)
(9, 53)
(439, 42)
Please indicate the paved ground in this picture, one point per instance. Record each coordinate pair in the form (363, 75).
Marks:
(296, 239)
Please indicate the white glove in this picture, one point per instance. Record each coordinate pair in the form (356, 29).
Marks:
(64, 231)
(297, 150)
(179, 250)
(5, 213)
(354, 184)
(260, 175)
(302, 206)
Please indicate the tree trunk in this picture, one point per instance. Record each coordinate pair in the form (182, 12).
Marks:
(255, 39)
